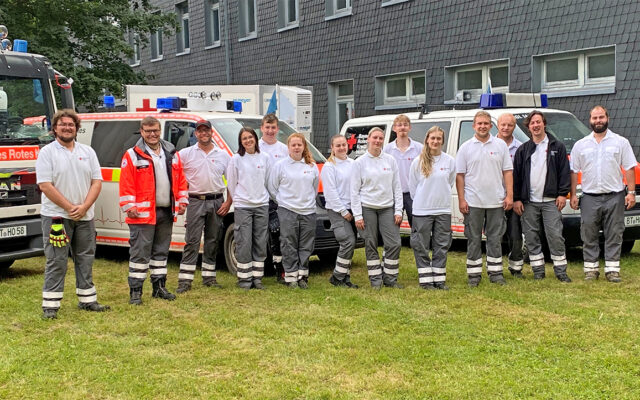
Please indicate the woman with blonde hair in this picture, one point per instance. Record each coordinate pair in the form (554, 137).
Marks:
(431, 178)
(293, 183)
(336, 183)
(376, 201)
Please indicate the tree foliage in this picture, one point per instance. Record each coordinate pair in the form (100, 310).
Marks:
(86, 39)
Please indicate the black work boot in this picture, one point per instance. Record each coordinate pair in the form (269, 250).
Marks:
(49, 313)
(95, 307)
(183, 287)
(135, 296)
(474, 280)
(212, 283)
(538, 273)
(498, 279)
(335, 281)
(441, 286)
(516, 273)
(160, 291)
(257, 284)
(349, 284)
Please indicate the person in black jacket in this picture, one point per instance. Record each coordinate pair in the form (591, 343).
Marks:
(540, 196)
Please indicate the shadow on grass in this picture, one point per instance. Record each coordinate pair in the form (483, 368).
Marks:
(18, 272)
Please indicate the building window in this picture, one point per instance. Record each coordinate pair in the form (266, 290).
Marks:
(341, 104)
(465, 83)
(156, 45)
(212, 23)
(134, 41)
(581, 72)
(288, 11)
(400, 90)
(247, 19)
(337, 8)
(386, 3)
(182, 36)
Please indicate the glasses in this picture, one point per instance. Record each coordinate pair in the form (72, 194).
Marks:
(66, 125)
(151, 130)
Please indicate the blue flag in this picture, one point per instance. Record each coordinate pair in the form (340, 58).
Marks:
(273, 104)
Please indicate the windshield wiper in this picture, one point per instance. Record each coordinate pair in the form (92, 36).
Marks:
(23, 141)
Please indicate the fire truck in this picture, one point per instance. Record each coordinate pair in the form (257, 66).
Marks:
(27, 105)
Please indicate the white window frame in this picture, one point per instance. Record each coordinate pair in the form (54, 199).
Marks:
(583, 80)
(134, 41)
(333, 12)
(183, 38)
(244, 18)
(452, 95)
(155, 40)
(285, 13)
(409, 100)
(210, 8)
(386, 3)
(335, 100)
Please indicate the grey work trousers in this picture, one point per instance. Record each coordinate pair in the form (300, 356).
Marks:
(274, 233)
(297, 238)
(604, 212)
(494, 223)
(345, 234)
(250, 230)
(431, 232)
(381, 220)
(534, 218)
(407, 204)
(82, 247)
(149, 248)
(201, 215)
(514, 240)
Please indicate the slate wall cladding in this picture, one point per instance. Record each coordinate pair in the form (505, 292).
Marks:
(414, 35)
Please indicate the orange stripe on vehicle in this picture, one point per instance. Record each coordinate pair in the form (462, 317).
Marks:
(111, 239)
(111, 174)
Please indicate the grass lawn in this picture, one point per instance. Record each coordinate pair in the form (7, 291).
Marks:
(528, 339)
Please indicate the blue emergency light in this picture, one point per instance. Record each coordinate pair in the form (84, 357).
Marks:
(168, 103)
(20, 46)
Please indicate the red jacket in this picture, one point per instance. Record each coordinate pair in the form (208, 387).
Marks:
(138, 183)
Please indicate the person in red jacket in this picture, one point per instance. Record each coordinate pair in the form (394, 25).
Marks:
(153, 190)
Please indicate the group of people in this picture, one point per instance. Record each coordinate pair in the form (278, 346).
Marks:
(502, 185)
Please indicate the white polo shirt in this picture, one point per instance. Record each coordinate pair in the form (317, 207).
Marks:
(247, 179)
(432, 195)
(482, 165)
(336, 185)
(70, 172)
(538, 175)
(203, 170)
(278, 151)
(600, 162)
(294, 185)
(513, 147)
(404, 159)
(375, 183)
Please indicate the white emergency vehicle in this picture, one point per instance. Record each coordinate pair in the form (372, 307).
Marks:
(458, 128)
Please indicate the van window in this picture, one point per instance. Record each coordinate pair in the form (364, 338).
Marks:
(357, 139)
(467, 132)
(564, 127)
(419, 130)
(180, 133)
(112, 138)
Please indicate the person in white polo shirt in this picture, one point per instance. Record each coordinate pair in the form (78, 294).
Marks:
(431, 178)
(271, 146)
(376, 201)
(484, 183)
(204, 165)
(69, 176)
(600, 156)
(294, 182)
(248, 175)
(404, 150)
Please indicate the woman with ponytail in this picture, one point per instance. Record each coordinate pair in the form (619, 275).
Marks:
(336, 183)
(431, 178)
(293, 183)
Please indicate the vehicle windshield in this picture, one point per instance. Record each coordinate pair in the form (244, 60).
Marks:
(23, 111)
(229, 129)
(564, 127)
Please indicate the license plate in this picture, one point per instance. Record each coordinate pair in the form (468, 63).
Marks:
(633, 220)
(13, 231)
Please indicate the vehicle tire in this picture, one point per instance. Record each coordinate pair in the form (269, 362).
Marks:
(229, 246)
(4, 265)
(627, 246)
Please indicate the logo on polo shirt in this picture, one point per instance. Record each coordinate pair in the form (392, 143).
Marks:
(386, 169)
(260, 166)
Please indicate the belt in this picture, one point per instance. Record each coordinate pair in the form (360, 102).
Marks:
(208, 196)
(602, 194)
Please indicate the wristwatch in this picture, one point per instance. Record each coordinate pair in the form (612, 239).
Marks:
(633, 192)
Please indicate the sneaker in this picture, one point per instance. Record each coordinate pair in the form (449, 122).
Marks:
(213, 284)
(336, 282)
(183, 287)
(427, 286)
(499, 280)
(563, 278)
(258, 285)
(441, 286)
(303, 284)
(292, 285)
(49, 314)
(591, 275)
(516, 274)
(95, 306)
(613, 276)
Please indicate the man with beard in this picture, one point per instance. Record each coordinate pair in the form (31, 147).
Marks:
(599, 157)
(68, 174)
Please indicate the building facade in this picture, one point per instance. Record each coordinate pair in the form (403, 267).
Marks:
(364, 57)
